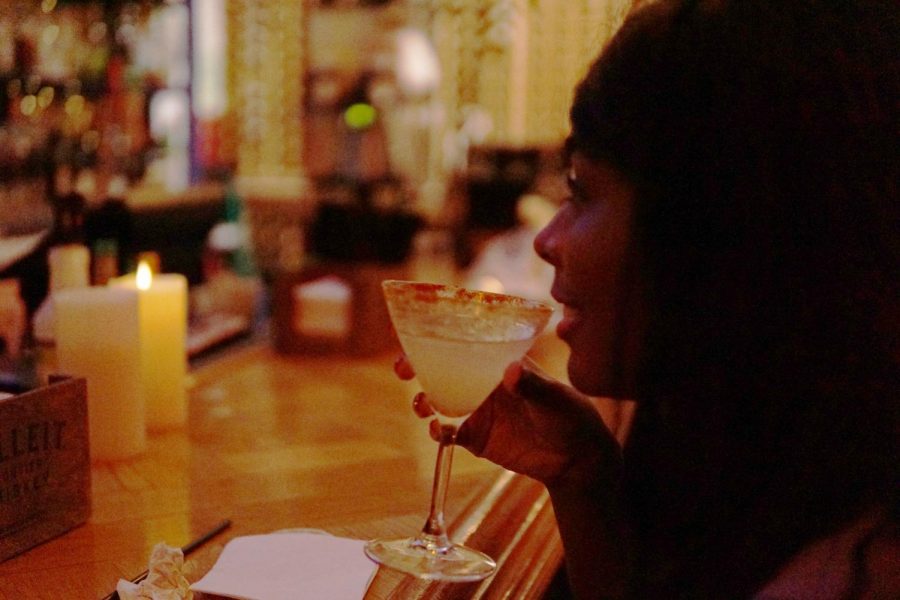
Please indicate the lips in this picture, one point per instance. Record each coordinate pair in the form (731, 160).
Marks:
(570, 320)
(571, 313)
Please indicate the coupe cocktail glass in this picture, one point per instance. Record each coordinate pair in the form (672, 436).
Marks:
(459, 341)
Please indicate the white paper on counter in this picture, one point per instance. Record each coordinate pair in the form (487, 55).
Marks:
(290, 566)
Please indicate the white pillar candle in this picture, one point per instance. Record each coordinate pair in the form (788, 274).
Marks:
(97, 337)
(163, 322)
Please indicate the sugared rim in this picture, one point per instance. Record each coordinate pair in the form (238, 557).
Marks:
(424, 292)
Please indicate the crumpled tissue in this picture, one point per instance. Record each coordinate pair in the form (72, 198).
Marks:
(165, 578)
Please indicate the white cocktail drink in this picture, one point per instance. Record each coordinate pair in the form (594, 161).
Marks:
(459, 342)
(457, 375)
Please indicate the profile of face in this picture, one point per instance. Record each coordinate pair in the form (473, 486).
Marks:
(589, 242)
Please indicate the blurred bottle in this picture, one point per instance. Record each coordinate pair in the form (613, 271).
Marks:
(68, 208)
(231, 284)
(104, 261)
(69, 268)
(227, 243)
(68, 258)
(108, 230)
(241, 256)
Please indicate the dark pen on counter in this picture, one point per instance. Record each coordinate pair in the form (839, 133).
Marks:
(190, 547)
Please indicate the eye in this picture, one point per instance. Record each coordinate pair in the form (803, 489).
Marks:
(577, 195)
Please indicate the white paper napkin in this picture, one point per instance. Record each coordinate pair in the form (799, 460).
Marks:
(290, 566)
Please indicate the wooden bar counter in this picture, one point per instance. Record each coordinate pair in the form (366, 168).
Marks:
(278, 442)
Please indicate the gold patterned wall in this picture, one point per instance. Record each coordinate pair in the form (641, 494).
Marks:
(514, 60)
(265, 58)
(519, 60)
(564, 38)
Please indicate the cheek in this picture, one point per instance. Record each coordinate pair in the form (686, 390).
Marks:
(596, 264)
(583, 369)
(594, 261)
(592, 350)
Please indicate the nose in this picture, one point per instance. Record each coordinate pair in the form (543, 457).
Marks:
(546, 242)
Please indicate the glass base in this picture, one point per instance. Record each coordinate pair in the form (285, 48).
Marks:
(426, 559)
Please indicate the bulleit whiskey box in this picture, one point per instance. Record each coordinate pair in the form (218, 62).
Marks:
(45, 474)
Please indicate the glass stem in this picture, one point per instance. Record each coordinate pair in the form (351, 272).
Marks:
(434, 534)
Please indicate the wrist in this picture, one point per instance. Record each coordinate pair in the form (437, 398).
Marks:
(590, 513)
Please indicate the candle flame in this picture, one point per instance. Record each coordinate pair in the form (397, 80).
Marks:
(144, 276)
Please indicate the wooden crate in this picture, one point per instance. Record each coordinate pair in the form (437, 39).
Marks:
(45, 470)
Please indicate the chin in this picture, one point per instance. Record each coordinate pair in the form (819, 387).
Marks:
(585, 378)
(596, 380)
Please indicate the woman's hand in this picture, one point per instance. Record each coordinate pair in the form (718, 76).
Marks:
(537, 426)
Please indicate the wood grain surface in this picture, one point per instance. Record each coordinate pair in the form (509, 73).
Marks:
(277, 442)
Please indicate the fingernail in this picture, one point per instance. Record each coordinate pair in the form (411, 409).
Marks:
(434, 430)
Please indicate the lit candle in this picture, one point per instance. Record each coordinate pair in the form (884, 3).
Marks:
(163, 341)
(98, 338)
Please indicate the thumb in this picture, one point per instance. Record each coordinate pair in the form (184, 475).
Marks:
(525, 378)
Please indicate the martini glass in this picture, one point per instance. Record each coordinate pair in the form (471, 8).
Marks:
(459, 341)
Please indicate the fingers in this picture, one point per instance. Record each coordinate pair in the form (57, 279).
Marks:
(434, 430)
(423, 410)
(527, 379)
(533, 385)
(403, 368)
(421, 407)
(473, 434)
(511, 376)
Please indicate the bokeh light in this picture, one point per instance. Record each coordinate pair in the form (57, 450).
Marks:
(360, 115)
